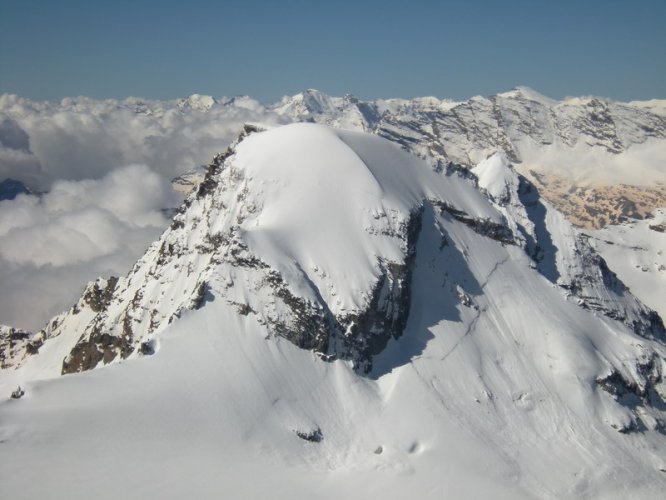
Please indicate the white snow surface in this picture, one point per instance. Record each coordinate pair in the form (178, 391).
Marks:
(490, 392)
(636, 251)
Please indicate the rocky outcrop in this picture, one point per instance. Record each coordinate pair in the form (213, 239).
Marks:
(597, 288)
(14, 343)
(484, 227)
(640, 396)
(97, 347)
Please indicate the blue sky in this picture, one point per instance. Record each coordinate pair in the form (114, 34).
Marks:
(166, 49)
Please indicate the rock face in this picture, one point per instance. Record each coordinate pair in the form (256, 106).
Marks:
(562, 254)
(638, 396)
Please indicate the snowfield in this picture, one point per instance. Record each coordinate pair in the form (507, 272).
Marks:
(328, 316)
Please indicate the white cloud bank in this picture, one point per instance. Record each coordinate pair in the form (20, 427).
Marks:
(51, 245)
(81, 138)
(99, 214)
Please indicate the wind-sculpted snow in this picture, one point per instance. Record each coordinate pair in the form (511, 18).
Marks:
(326, 308)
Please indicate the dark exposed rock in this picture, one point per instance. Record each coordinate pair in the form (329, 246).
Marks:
(147, 348)
(211, 179)
(203, 295)
(314, 436)
(356, 337)
(98, 347)
(33, 347)
(617, 386)
(367, 334)
(18, 393)
(239, 256)
(212, 242)
(165, 253)
(483, 227)
(99, 298)
(649, 325)
(461, 171)
(632, 395)
(15, 335)
(311, 327)
(244, 309)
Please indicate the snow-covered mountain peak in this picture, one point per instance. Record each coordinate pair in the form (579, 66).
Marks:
(656, 106)
(339, 304)
(496, 177)
(312, 102)
(197, 102)
(523, 92)
(359, 198)
(319, 246)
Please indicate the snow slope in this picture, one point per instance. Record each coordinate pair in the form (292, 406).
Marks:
(636, 251)
(328, 316)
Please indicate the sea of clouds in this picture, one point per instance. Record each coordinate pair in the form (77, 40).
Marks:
(103, 169)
